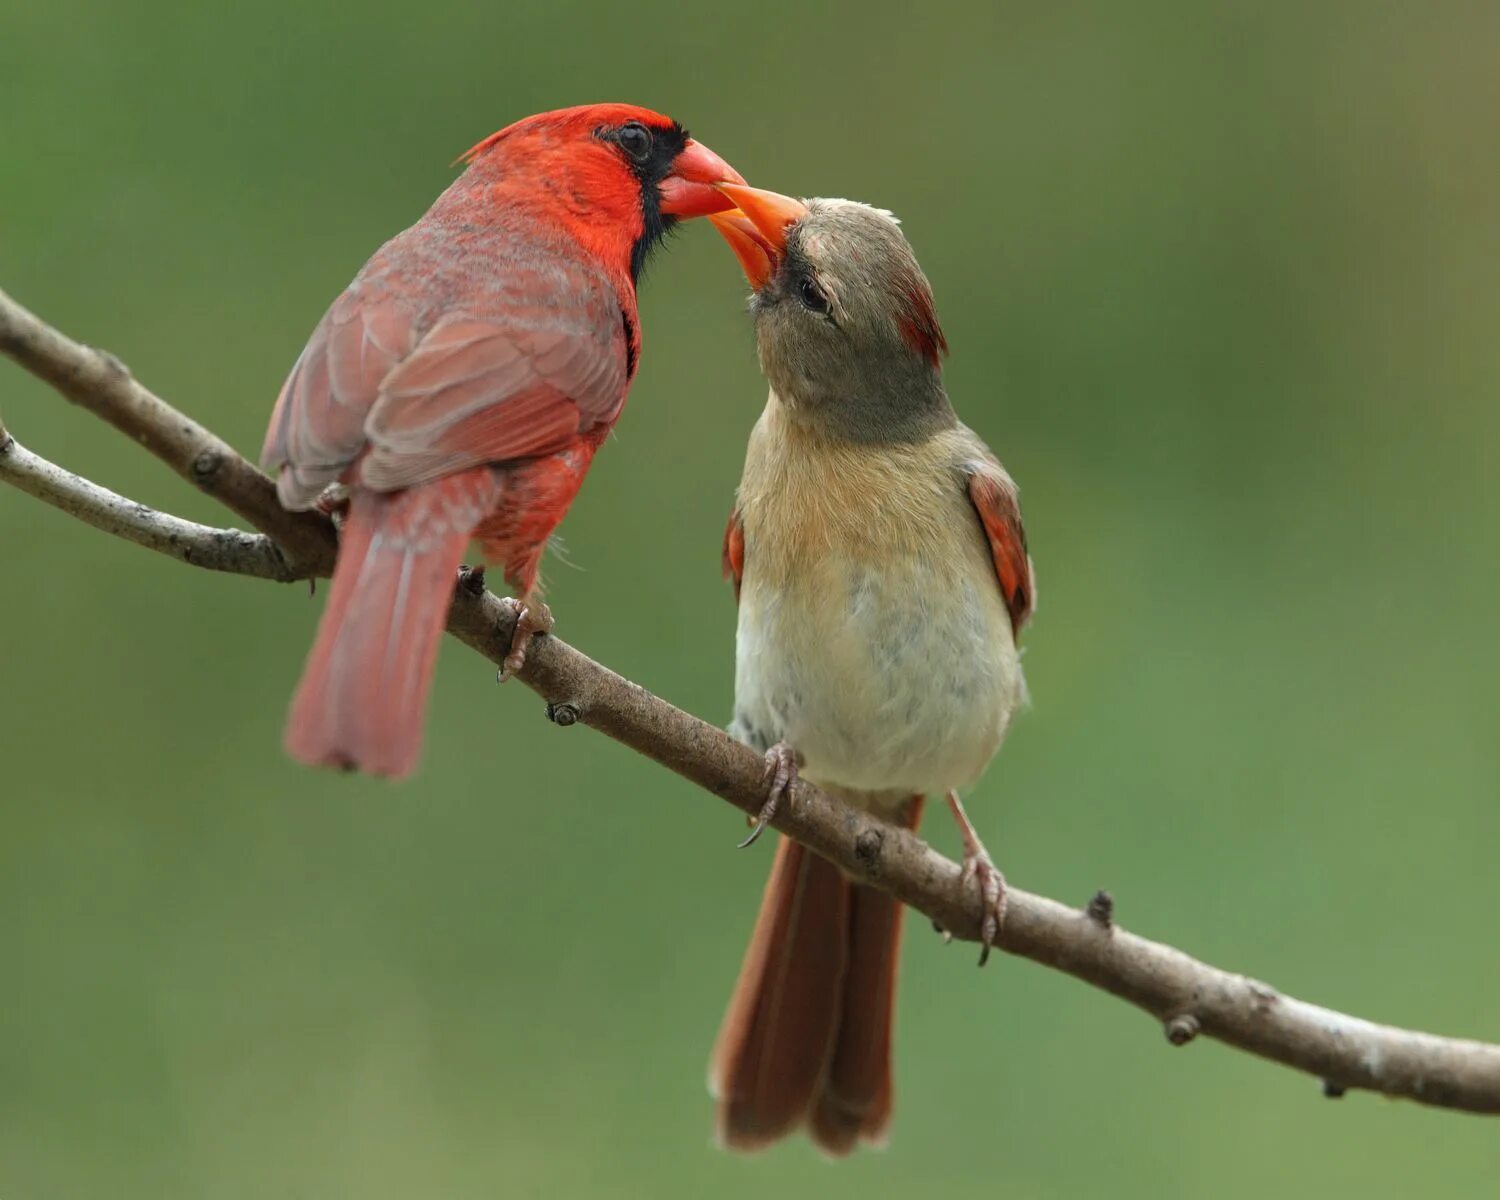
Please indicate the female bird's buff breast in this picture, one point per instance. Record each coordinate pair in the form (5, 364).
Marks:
(872, 634)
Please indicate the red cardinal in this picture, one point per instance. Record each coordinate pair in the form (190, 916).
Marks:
(459, 388)
(877, 553)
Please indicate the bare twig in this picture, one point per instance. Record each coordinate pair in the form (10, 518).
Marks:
(1188, 997)
(100, 382)
(201, 545)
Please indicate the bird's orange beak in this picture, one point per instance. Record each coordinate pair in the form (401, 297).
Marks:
(690, 190)
(756, 229)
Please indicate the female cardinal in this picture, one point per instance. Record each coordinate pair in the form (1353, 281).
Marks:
(877, 553)
(459, 388)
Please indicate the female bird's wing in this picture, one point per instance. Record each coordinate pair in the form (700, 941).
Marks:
(997, 504)
(734, 551)
(405, 382)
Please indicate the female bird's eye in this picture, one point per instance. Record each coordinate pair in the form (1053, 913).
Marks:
(635, 140)
(812, 296)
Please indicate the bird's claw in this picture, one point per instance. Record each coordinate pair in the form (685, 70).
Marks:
(532, 620)
(979, 867)
(780, 774)
(992, 895)
(333, 501)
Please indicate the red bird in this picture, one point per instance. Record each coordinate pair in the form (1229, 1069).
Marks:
(459, 388)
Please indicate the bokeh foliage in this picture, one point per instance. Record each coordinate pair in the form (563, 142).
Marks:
(1219, 281)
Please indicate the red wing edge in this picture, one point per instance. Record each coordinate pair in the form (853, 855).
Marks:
(996, 502)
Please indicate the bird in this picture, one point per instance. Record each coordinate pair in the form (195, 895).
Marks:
(458, 389)
(882, 578)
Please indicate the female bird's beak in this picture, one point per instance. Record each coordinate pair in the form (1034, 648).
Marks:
(756, 230)
(757, 256)
(690, 190)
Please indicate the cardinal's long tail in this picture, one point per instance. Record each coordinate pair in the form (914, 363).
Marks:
(363, 695)
(807, 1037)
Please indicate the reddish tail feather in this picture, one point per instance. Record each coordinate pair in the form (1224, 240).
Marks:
(363, 696)
(807, 1037)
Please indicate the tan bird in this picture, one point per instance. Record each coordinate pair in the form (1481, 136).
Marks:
(880, 564)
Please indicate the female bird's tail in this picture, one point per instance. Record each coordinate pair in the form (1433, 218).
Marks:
(807, 1037)
(363, 696)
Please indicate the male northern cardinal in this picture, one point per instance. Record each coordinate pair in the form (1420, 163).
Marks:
(459, 388)
(877, 553)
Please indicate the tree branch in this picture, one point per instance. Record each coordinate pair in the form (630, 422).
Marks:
(229, 550)
(1189, 997)
(100, 382)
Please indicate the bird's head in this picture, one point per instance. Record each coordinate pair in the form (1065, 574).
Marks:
(844, 317)
(605, 170)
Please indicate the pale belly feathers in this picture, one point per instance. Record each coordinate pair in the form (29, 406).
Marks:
(872, 635)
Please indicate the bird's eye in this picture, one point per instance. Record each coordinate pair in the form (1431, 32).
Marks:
(812, 296)
(635, 140)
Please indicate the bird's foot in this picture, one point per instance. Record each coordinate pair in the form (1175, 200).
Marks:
(533, 619)
(979, 867)
(333, 501)
(781, 773)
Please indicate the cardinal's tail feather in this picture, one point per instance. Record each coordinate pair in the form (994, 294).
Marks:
(779, 1030)
(362, 700)
(807, 1037)
(853, 1104)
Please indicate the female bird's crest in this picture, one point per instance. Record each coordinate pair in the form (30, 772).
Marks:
(845, 321)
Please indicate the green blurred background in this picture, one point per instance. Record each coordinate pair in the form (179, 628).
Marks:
(1219, 282)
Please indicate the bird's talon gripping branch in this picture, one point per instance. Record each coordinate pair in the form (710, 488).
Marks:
(532, 620)
(992, 891)
(333, 502)
(979, 867)
(781, 773)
